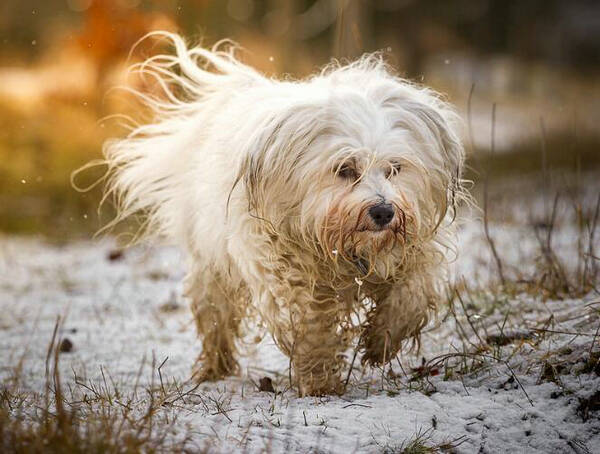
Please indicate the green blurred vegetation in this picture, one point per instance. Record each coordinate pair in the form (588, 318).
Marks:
(38, 152)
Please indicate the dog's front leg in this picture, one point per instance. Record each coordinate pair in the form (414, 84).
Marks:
(401, 314)
(318, 345)
(306, 325)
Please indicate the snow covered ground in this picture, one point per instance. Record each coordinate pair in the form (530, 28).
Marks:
(534, 387)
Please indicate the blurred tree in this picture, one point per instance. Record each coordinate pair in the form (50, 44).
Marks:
(553, 31)
(353, 28)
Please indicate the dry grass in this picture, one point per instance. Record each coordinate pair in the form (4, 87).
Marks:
(420, 443)
(559, 272)
(484, 347)
(91, 417)
(106, 416)
(538, 162)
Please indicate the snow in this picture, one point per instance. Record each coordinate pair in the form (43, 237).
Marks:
(128, 311)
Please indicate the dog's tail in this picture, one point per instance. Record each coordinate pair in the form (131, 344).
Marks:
(147, 169)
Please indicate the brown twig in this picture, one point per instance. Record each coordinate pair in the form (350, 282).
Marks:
(486, 204)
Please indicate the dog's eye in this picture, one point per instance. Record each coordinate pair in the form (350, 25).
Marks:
(393, 169)
(347, 173)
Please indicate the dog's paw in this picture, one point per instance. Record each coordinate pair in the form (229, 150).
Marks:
(204, 371)
(317, 390)
(375, 357)
(320, 385)
(378, 349)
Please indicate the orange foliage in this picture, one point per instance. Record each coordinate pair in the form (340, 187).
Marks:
(110, 30)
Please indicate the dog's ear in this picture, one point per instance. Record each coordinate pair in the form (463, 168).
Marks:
(435, 126)
(271, 161)
(254, 175)
(441, 125)
(262, 169)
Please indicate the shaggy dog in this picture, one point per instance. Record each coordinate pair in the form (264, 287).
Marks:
(323, 206)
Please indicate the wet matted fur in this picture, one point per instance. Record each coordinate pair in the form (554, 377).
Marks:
(269, 186)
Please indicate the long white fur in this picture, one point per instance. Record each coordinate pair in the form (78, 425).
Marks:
(243, 172)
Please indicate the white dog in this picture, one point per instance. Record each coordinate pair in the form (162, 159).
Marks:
(323, 206)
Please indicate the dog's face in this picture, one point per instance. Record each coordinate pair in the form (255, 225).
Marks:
(369, 206)
(361, 165)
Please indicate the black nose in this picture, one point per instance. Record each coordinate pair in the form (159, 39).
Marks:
(382, 214)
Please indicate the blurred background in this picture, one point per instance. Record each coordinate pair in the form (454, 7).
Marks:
(537, 61)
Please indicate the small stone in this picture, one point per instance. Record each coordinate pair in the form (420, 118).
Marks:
(115, 254)
(169, 306)
(266, 384)
(66, 346)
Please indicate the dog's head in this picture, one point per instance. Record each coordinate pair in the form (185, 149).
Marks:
(355, 163)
